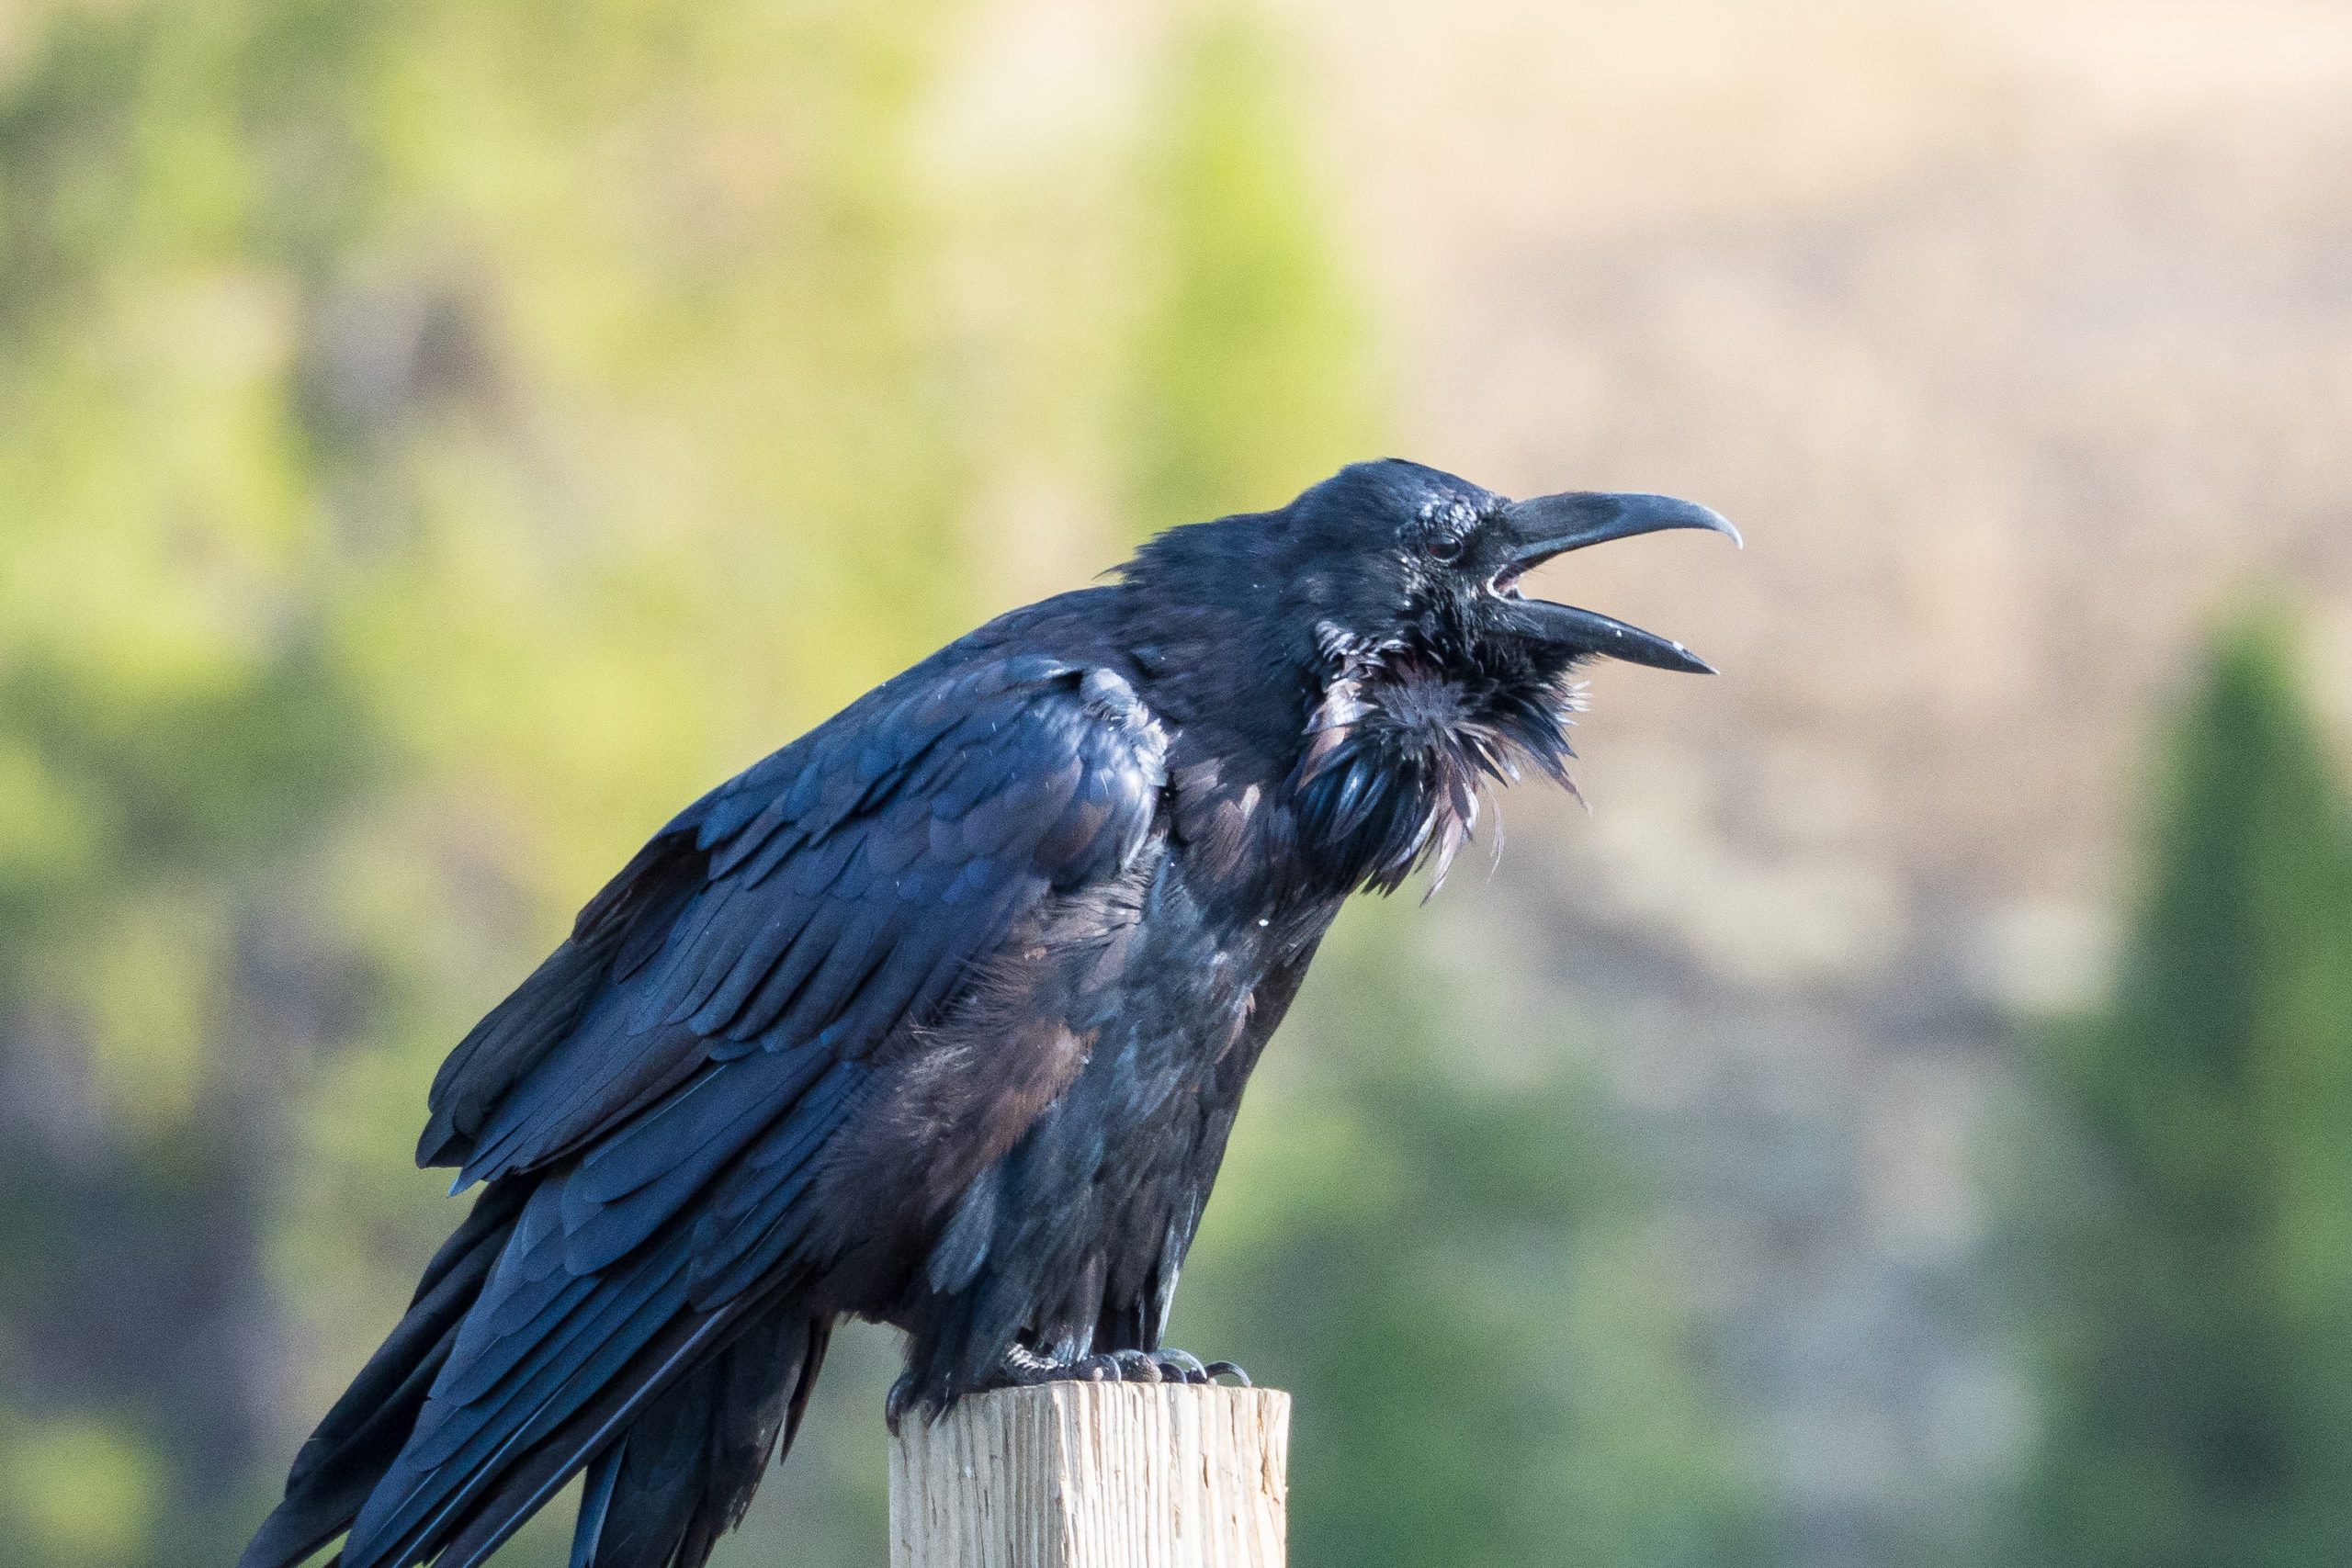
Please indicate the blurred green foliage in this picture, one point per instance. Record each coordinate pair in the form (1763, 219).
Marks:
(1480, 1380)
(439, 438)
(1255, 354)
(2199, 1268)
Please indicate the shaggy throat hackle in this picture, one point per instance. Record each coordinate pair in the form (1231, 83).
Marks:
(1399, 754)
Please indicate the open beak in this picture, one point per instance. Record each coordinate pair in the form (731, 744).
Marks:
(1549, 525)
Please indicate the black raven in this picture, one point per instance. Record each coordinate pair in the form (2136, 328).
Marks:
(940, 1017)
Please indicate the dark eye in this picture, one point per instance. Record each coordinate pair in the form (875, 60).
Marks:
(1446, 548)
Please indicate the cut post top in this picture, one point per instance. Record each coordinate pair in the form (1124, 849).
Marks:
(1094, 1475)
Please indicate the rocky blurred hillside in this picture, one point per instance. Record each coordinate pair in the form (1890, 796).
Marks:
(2019, 341)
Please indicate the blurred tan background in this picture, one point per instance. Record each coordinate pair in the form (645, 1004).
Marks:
(438, 439)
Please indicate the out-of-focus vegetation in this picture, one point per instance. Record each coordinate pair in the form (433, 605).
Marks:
(1479, 1383)
(2198, 1264)
(437, 439)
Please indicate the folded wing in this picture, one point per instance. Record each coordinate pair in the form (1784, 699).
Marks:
(715, 1013)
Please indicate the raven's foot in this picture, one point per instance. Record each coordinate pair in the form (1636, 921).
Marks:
(1023, 1368)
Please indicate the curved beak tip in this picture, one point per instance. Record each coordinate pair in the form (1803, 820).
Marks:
(1554, 524)
(1691, 516)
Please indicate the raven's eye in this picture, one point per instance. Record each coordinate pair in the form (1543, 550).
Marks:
(1446, 548)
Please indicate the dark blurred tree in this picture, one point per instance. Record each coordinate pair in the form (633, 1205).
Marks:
(2199, 1406)
(136, 928)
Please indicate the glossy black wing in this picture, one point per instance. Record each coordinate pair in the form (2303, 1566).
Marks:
(823, 897)
(718, 1009)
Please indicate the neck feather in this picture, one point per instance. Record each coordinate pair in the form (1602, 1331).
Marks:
(1399, 753)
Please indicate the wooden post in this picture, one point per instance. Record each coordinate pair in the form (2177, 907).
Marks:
(1094, 1475)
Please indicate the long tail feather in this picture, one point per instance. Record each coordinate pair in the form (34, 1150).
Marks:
(359, 1439)
(677, 1358)
(470, 1512)
(684, 1472)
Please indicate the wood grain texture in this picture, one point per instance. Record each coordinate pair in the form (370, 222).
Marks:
(1094, 1475)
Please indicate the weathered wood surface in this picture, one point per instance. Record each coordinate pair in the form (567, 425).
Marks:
(1094, 1475)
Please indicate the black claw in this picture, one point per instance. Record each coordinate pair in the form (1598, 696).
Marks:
(1216, 1369)
(894, 1408)
(1182, 1366)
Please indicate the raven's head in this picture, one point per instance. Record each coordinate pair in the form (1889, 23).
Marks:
(1390, 597)
(1394, 554)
